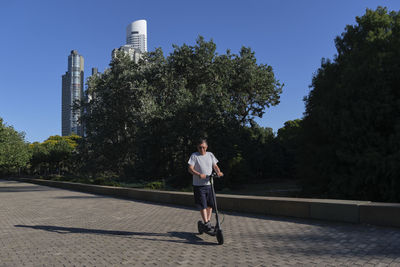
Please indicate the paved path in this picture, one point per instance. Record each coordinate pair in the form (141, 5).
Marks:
(43, 226)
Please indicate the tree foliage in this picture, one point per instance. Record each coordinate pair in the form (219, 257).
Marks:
(14, 152)
(143, 118)
(288, 142)
(352, 118)
(56, 155)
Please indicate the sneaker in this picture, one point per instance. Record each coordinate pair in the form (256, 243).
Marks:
(208, 227)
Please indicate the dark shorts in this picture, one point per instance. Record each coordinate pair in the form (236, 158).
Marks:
(203, 197)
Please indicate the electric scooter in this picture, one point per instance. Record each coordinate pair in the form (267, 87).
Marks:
(217, 231)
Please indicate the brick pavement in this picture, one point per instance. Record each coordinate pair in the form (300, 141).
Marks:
(43, 226)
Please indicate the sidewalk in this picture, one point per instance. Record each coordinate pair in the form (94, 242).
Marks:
(43, 226)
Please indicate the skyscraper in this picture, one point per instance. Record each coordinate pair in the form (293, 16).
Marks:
(72, 90)
(136, 35)
(136, 40)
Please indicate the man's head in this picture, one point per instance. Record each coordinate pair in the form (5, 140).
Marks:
(202, 146)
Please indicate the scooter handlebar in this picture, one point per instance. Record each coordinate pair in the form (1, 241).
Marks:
(214, 175)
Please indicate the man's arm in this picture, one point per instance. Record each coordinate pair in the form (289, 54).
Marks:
(194, 172)
(217, 170)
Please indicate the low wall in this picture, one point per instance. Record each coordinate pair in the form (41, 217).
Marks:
(351, 211)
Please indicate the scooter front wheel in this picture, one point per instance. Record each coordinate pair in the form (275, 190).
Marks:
(200, 227)
(220, 237)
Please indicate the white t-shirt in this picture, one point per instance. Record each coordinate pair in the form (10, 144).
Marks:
(204, 165)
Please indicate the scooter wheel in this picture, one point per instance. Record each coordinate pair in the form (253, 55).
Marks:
(220, 237)
(200, 227)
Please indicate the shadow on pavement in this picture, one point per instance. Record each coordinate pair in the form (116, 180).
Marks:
(70, 230)
(182, 237)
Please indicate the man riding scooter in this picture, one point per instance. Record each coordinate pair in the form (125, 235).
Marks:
(201, 165)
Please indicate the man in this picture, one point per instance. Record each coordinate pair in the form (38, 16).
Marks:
(201, 165)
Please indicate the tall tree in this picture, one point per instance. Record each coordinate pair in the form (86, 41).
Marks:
(119, 106)
(144, 117)
(352, 119)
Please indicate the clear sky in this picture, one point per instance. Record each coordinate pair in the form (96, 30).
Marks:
(292, 36)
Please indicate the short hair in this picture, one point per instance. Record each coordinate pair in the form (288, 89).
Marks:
(201, 141)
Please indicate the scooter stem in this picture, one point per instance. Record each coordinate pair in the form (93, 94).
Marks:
(215, 202)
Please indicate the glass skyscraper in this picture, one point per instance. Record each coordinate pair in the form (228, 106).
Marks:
(72, 91)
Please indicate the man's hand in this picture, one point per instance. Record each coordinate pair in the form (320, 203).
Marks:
(203, 176)
(217, 170)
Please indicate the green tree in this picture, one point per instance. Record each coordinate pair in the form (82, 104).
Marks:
(254, 158)
(56, 155)
(39, 163)
(144, 117)
(289, 140)
(14, 151)
(352, 118)
(120, 105)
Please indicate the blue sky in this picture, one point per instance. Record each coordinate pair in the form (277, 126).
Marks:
(292, 36)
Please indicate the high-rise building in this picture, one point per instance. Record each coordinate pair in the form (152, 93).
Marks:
(136, 35)
(136, 40)
(72, 91)
(133, 53)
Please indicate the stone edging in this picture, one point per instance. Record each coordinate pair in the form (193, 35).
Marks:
(352, 211)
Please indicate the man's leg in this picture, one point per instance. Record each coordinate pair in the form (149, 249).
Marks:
(201, 201)
(204, 215)
(209, 213)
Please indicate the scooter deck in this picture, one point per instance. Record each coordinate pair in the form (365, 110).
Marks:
(211, 233)
(202, 229)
